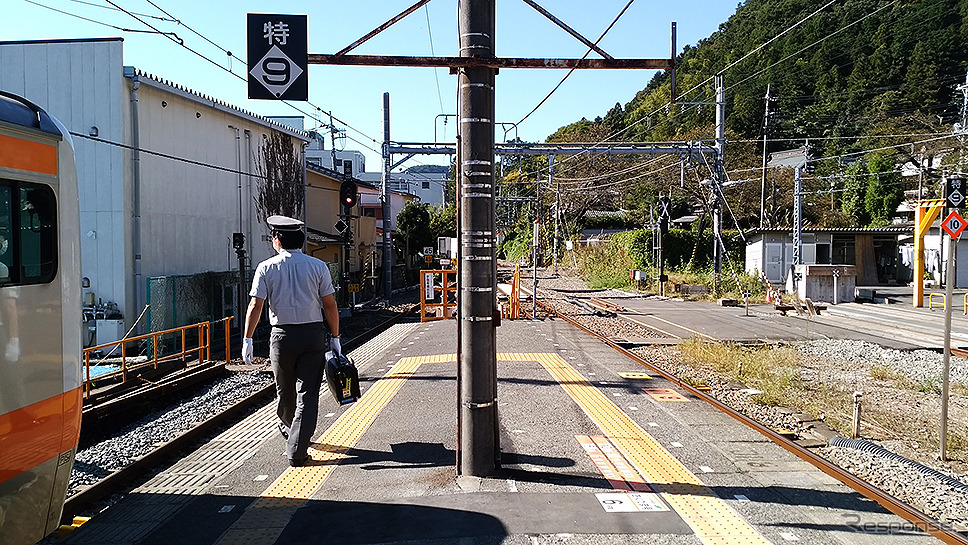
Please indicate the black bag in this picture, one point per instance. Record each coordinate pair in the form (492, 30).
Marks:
(342, 378)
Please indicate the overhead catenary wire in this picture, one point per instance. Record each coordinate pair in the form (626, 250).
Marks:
(617, 17)
(243, 78)
(76, 16)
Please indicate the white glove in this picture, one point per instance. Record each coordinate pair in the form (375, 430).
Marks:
(12, 352)
(247, 350)
(334, 344)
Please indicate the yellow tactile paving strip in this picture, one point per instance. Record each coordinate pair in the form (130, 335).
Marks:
(712, 520)
(271, 512)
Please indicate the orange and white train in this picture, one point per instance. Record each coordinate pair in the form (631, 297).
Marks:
(40, 313)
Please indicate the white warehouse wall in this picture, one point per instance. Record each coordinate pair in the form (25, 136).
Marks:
(188, 212)
(79, 82)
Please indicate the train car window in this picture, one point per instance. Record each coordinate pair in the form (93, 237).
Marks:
(6, 228)
(28, 233)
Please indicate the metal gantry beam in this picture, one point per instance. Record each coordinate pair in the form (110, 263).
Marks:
(490, 62)
(686, 149)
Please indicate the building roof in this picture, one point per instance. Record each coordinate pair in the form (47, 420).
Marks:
(185, 92)
(899, 229)
(321, 237)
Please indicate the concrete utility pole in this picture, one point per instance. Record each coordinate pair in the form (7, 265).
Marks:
(718, 178)
(477, 426)
(385, 202)
(766, 132)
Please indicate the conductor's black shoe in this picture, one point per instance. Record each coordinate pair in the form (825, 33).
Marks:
(298, 462)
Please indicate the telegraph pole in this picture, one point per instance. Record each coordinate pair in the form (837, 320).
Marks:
(477, 429)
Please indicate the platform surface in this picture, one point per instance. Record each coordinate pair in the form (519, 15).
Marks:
(592, 450)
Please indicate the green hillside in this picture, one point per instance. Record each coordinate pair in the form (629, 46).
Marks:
(871, 84)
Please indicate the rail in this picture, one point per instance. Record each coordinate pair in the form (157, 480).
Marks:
(931, 296)
(918, 519)
(202, 352)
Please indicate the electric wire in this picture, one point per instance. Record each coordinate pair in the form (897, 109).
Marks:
(192, 161)
(288, 103)
(115, 9)
(617, 17)
(832, 34)
(430, 34)
(122, 29)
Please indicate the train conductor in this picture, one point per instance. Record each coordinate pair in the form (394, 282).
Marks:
(299, 290)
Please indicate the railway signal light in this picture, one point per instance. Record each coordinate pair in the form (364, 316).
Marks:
(347, 194)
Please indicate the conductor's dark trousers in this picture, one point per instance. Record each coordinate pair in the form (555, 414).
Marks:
(296, 352)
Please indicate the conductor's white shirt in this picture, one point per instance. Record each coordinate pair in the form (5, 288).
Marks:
(294, 284)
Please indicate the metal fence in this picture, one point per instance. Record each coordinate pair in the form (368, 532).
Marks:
(175, 301)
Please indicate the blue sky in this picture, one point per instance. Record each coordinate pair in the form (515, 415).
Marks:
(417, 95)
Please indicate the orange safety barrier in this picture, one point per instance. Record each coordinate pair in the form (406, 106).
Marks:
(511, 310)
(438, 301)
(203, 351)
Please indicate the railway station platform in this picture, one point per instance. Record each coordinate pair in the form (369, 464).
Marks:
(594, 449)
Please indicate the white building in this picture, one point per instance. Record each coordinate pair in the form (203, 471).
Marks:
(878, 253)
(164, 173)
(428, 183)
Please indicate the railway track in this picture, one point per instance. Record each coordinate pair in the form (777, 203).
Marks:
(917, 518)
(119, 480)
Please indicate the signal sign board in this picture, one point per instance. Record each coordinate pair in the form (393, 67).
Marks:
(954, 224)
(954, 192)
(277, 56)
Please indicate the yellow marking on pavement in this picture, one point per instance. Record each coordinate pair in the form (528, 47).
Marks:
(634, 376)
(271, 512)
(710, 518)
(325, 454)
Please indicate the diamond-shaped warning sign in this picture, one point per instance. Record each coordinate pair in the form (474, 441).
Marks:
(954, 224)
(955, 199)
(276, 72)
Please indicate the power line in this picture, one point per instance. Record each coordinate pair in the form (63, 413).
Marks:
(243, 78)
(191, 161)
(832, 34)
(115, 9)
(436, 79)
(617, 17)
(122, 29)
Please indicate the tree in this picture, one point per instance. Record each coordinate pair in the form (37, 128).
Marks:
(413, 225)
(855, 191)
(884, 191)
(282, 186)
(443, 220)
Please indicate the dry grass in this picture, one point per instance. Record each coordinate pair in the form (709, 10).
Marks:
(777, 371)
